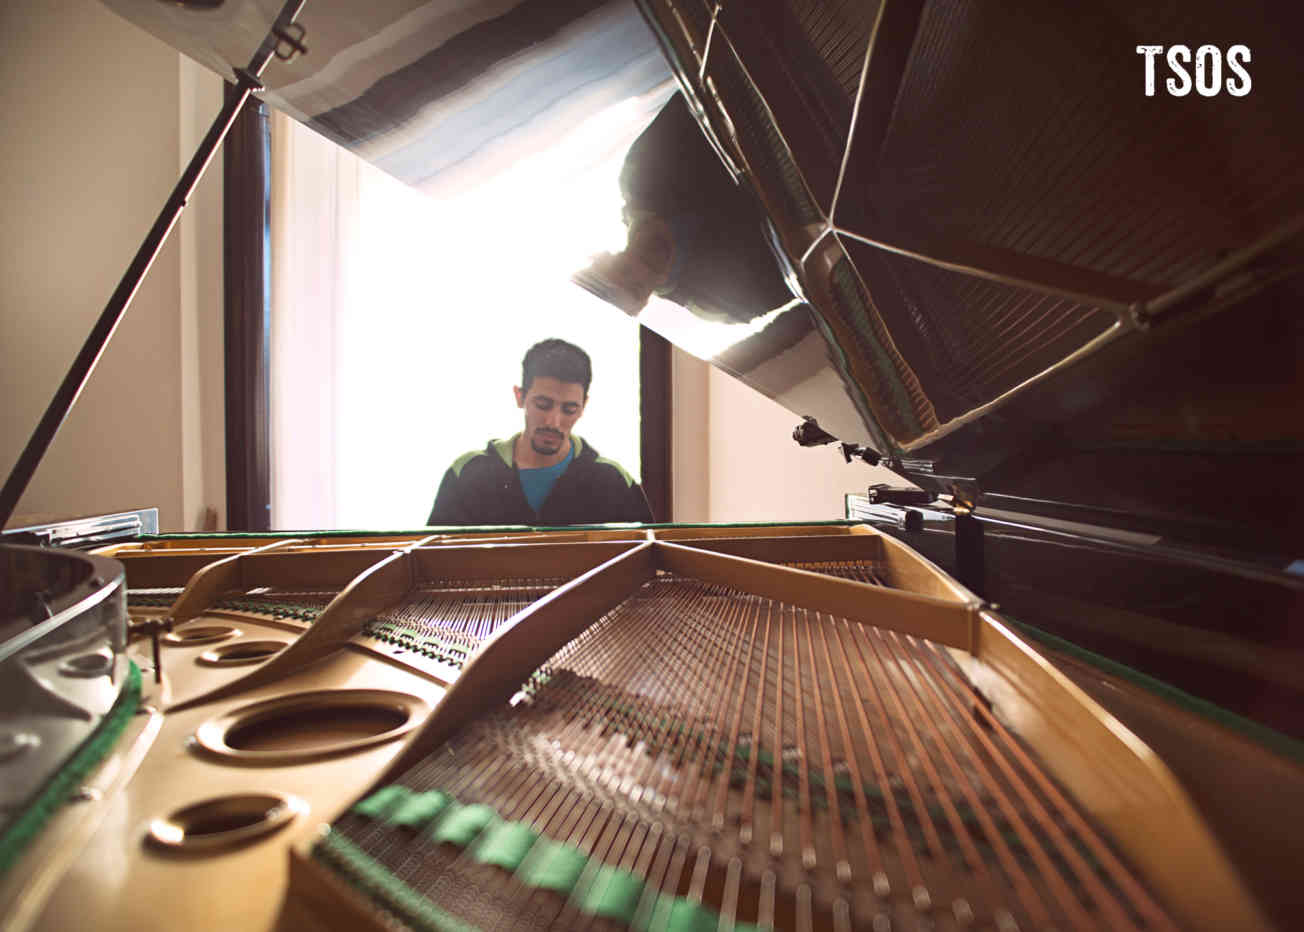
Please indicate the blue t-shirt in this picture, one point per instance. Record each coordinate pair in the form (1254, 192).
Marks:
(537, 483)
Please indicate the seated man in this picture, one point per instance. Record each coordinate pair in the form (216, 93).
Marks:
(544, 475)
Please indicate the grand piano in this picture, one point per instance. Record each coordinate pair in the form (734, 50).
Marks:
(1046, 678)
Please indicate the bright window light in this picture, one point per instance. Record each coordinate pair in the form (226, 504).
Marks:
(433, 304)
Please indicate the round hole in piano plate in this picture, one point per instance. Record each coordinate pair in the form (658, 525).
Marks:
(224, 821)
(96, 663)
(310, 725)
(241, 653)
(200, 634)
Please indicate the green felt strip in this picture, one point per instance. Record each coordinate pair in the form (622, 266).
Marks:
(676, 914)
(42, 807)
(379, 884)
(505, 844)
(379, 803)
(552, 866)
(613, 892)
(462, 823)
(419, 809)
(538, 862)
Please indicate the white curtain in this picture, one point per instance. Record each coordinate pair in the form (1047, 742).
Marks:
(399, 321)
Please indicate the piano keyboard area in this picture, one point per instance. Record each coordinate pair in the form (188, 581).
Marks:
(705, 758)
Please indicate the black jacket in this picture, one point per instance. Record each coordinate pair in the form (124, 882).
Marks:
(482, 487)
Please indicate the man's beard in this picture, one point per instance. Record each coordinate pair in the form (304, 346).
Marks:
(537, 442)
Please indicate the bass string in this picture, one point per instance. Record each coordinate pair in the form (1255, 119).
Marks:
(625, 840)
(925, 733)
(950, 681)
(593, 830)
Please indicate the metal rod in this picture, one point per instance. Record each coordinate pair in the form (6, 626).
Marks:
(1115, 295)
(855, 120)
(1226, 268)
(91, 351)
(155, 638)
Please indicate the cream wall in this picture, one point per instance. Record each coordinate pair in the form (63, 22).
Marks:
(734, 458)
(98, 117)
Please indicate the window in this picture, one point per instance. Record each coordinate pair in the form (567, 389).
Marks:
(399, 319)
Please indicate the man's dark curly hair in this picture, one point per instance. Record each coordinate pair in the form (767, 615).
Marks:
(556, 359)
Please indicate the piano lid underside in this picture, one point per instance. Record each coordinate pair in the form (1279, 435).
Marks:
(976, 197)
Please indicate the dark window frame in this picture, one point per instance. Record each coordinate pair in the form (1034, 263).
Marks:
(246, 202)
(654, 400)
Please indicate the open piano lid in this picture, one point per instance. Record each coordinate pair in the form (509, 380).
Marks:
(1033, 278)
(987, 251)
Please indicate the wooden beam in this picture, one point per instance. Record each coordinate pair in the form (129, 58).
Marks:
(224, 575)
(949, 623)
(514, 560)
(504, 662)
(378, 587)
(797, 549)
